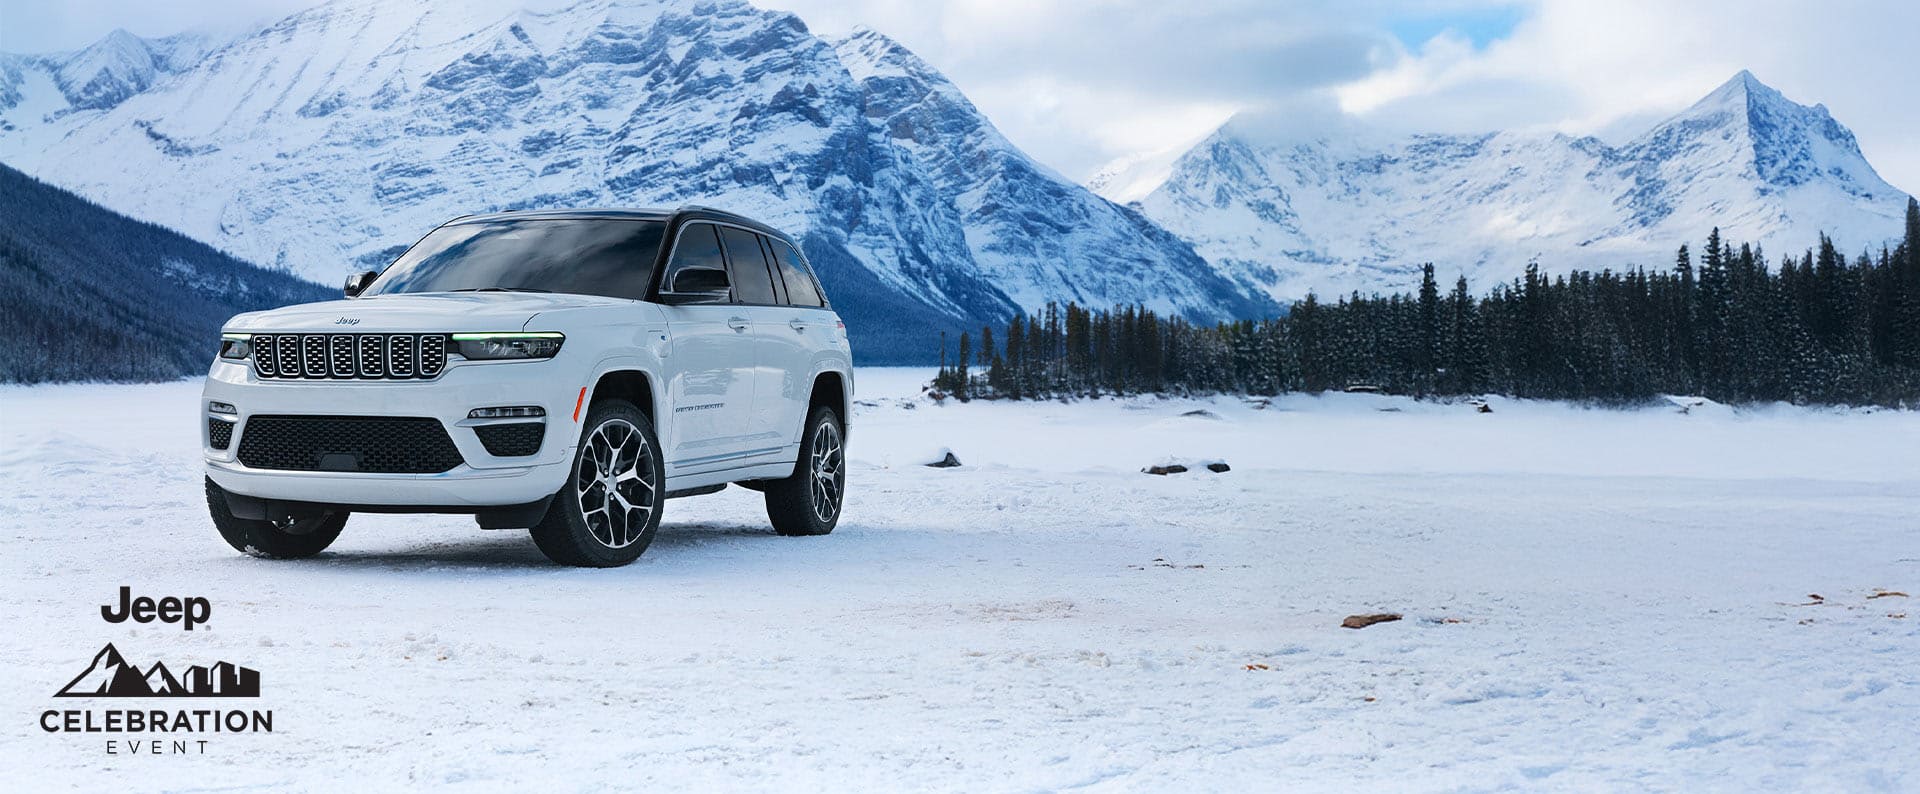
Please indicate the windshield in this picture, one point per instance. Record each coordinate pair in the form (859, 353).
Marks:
(606, 257)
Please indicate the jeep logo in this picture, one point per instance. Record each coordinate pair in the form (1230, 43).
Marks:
(184, 611)
(347, 321)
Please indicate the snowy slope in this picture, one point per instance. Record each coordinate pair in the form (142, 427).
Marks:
(1345, 208)
(91, 295)
(98, 77)
(1628, 590)
(1035, 234)
(328, 141)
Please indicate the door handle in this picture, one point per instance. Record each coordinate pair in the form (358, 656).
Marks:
(738, 323)
(797, 325)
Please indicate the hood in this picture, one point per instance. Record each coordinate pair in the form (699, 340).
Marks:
(419, 313)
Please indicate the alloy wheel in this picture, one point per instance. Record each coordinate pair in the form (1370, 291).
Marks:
(828, 468)
(614, 484)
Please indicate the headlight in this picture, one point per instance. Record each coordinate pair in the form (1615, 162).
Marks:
(484, 347)
(236, 346)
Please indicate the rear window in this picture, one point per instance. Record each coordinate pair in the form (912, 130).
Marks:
(752, 282)
(613, 258)
(801, 291)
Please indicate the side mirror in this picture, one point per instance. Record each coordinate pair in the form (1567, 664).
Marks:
(358, 282)
(698, 285)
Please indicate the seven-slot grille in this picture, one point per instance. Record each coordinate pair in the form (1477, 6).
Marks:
(349, 356)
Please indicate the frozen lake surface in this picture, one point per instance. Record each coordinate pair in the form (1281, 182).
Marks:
(1593, 599)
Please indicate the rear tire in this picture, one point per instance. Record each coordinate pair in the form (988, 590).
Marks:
(609, 509)
(289, 540)
(808, 503)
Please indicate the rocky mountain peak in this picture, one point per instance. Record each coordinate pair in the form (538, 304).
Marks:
(332, 139)
(1273, 202)
(1783, 142)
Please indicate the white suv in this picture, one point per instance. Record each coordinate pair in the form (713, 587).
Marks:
(567, 371)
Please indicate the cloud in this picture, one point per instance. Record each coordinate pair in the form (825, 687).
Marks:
(1079, 83)
(1614, 69)
(34, 27)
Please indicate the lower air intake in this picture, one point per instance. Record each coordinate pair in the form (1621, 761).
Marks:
(511, 440)
(219, 433)
(373, 444)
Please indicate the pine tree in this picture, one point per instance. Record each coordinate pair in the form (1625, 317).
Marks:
(1035, 361)
(962, 379)
(990, 359)
(1427, 356)
(1904, 325)
(1015, 380)
(1821, 329)
(1466, 345)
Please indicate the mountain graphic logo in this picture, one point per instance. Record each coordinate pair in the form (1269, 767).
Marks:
(112, 676)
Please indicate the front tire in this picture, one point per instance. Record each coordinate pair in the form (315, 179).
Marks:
(609, 509)
(808, 503)
(283, 540)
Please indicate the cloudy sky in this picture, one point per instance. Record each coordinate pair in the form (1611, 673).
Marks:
(1081, 83)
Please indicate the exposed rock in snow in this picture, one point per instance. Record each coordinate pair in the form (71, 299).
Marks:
(1363, 621)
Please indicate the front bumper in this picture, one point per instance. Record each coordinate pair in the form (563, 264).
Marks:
(482, 480)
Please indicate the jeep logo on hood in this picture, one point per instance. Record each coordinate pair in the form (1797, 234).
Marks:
(347, 321)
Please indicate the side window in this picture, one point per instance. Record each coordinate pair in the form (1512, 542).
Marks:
(801, 291)
(779, 288)
(752, 283)
(698, 246)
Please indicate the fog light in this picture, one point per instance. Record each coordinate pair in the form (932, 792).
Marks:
(508, 412)
(222, 408)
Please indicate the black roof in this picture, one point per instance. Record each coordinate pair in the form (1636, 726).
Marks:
(558, 214)
(614, 213)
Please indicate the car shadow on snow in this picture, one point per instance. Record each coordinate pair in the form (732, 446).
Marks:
(676, 543)
(673, 535)
(504, 550)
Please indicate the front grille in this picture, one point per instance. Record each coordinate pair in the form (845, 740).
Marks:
(379, 444)
(400, 359)
(219, 432)
(349, 356)
(514, 440)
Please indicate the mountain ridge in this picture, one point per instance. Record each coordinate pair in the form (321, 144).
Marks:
(328, 141)
(1348, 208)
(101, 297)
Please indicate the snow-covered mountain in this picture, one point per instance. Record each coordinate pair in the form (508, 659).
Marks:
(329, 141)
(1345, 208)
(1022, 218)
(91, 295)
(100, 76)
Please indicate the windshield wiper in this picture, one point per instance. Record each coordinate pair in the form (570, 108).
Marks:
(501, 289)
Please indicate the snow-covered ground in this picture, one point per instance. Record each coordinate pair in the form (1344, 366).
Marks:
(1594, 599)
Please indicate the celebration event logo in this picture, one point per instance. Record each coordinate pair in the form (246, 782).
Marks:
(111, 675)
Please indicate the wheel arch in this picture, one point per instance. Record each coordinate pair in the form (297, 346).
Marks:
(633, 384)
(830, 389)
